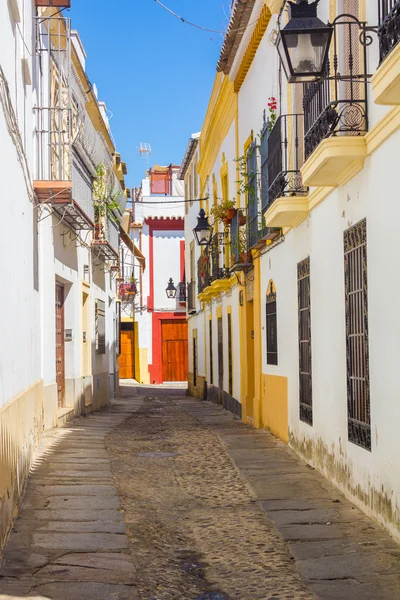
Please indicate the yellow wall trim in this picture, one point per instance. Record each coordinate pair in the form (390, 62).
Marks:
(221, 112)
(386, 80)
(251, 50)
(388, 125)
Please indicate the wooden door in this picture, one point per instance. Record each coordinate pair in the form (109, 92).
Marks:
(174, 335)
(60, 353)
(127, 356)
(220, 358)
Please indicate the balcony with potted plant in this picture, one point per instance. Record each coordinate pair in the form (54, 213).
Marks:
(127, 291)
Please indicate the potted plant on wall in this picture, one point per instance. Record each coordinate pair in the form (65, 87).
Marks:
(225, 211)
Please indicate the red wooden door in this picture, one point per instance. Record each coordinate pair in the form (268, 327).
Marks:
(174, 335)
(60, 354)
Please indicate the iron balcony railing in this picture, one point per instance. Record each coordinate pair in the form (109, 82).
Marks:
(337, 103)
(286, 157)
(181, 292)
(106, 240)
(112, 234)
(191, 297)
(82, 187)
(240, 249)
(219, 256)
(389, 26)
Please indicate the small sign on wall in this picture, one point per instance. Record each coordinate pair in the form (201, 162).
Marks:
(84, 337)
(68, 335)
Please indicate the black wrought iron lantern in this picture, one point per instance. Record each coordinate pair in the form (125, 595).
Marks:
(170, 289)
(303, 44)
(203, 230)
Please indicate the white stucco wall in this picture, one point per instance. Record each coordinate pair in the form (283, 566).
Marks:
(19, 302)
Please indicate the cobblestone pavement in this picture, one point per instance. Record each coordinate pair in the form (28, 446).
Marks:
(163, 497)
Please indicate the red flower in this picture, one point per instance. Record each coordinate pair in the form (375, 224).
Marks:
(272, 104)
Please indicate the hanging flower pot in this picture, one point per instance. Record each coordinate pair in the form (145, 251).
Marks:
(226, 220)
(230, 213)
(242, 218)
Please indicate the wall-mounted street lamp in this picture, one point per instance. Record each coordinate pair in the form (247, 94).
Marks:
(303, 44)
(170, 289)
(203, 230)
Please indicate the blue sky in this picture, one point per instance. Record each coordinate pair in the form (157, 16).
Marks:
(154, 72)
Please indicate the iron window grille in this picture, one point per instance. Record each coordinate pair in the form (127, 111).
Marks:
(219, 268)
(285, 157)
(356, 301)
(305, 359)
(230, 357)
(203, 271)
(191, 293)
(337, 103)
(271, 322)
(118, 328)
(254, 216)
(181, 292)
(194, 361)
(389, 26)
(100, 327)
(211, 353)
(240, 251)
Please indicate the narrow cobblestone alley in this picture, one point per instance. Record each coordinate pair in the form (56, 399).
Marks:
(163, 497)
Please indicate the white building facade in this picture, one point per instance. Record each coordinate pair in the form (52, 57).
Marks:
(59, 315)
(308, 350)
(158, 231)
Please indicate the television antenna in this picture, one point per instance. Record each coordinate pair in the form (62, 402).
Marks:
(144, 151)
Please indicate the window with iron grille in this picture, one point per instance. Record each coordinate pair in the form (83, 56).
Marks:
(304, 304)
(118, 327)
(211, 353)
(272, 336)
(230, 357)
(264, 167)
(100, 327)
(194, 361)
(358, 392)
(252, 195)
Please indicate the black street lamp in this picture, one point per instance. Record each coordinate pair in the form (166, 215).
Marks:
(303, 44)
(203, 230)
(170, 289)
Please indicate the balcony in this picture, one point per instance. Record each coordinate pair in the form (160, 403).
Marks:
(204, 276)
(105, 245)
(386, 81)
(220, 273)
(336, 112)
(60, 176)
(127, 292)
(241, 259)
(191, 297)
(286, 203)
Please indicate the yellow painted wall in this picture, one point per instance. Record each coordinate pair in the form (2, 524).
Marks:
(274, 405)
(143, 367)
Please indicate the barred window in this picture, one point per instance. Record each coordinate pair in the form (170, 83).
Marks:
(194, 361)
(358, 392)
(211, 353)
(100, 327)
(271, 326)
(304, 304)
(230, 357)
